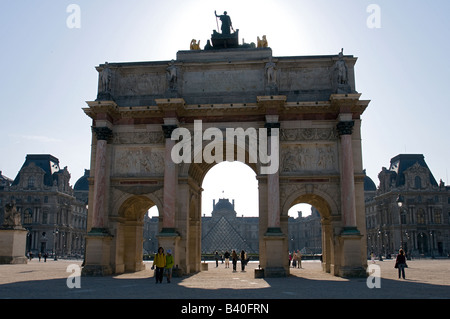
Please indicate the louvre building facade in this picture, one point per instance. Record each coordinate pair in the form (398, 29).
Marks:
(51, 213)
(421, 224)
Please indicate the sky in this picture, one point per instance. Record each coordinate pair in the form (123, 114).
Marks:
(50, 50)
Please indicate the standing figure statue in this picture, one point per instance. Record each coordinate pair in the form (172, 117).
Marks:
(341, 69)
(271, 73)
(12, 217)
(105, 78)
(172, 76)
(226, 23)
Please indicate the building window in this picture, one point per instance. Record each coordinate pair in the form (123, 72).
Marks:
(44, 218)
(437, 217)
(28, 216)
(417, 182)
(420, 216)
(31, 182)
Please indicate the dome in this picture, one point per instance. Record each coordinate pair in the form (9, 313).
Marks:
(82, 183)
(224, 204)
(369, 185)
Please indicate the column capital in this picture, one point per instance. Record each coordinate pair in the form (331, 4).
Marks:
(270, 126)
(345, 127)
(168, 129)
(102, 133)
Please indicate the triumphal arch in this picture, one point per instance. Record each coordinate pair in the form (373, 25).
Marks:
(159, 126)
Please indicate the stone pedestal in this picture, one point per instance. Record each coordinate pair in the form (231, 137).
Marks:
(98, 248)
(351, 264)
(13, 246)
(274, 246)
(168, 238)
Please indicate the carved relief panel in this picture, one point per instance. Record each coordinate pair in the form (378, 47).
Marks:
(309, 157)
(317, 151)
(138, 161)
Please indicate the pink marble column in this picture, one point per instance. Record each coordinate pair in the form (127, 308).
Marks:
(170, 181)
(273, 186)
(348, 205)
(103, 134)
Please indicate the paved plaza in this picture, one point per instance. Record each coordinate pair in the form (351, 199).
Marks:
(425, 279)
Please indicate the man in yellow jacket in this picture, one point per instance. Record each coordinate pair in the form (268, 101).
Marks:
(159, 262)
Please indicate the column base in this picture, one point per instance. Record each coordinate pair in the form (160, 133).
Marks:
(351, 264)
(169, 238)
(274, 231)
(350, 230)
(168, 232)
(275, 272)
(352, 272)
(274, 243)
(98, 253)
(96, 271)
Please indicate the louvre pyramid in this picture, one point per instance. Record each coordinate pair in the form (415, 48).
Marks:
(223, 237)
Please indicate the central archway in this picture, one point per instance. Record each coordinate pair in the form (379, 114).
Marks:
(196, 173)
(230, 209)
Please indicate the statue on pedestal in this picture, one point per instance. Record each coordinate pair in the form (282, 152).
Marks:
(12, 218)
(226, 39)
(226, 22)
(340, 75)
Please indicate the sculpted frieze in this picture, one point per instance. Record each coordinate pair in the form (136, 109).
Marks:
(300, 158)
(138, 161)
(308, 134)
(138, 138)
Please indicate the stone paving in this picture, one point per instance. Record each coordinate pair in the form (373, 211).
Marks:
(425, 279)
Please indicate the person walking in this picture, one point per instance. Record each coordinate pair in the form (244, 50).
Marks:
(169, 265)
(234, 258)
(227, 259)
(299, 259)
(159, 263)
(216, 257)
(243, 260)
(400, 263)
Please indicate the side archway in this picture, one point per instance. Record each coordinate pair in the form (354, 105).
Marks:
(327, 209)
(128, 228)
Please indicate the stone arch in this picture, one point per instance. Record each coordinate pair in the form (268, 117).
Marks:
(198, 171)
(195, 174)
(222, 98)
(128, 230)
(327, 208)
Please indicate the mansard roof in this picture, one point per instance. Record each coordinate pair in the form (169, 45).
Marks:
(48, 163)
(402, 162)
